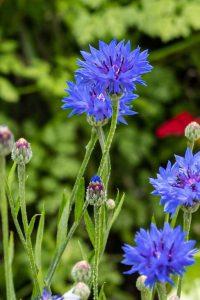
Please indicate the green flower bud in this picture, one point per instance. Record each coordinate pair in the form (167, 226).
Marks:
(110, 204)
(140, 283)
(192, 131)
(6, 140)
(91, 120)
(22, 152)
(81, 271)
(81, 290)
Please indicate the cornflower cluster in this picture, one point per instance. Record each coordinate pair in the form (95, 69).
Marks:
(113, 69)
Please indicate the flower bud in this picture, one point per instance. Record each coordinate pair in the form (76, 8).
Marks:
(192, 131)
(91, 120)
(95, 192)
(21, 152)
(81, 290)
(174, 297)
(81, 271)
(140, 283)
(6, 140)
(110, 203)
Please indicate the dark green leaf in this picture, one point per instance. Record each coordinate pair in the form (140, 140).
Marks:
(89, 227)
(79, 200)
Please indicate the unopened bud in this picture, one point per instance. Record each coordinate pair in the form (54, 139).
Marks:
(81, 271)
(192, 131)
(174, 297)
(140, 283)
(95, 192)
(110, 203)
(6, 140)
(21, 152)
(91, 120)
(81, 290)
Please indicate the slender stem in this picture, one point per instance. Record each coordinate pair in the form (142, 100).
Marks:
(187, 219)
(103, 172)
(89, 150)
(5, 231)
(146, 294)
(95, 278)
(110, 137)
(59, 252)
(162, 294)
(29, 248)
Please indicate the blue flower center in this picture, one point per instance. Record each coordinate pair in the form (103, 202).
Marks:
(187, 179)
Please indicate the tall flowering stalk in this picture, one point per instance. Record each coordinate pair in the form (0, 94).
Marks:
(6, 144)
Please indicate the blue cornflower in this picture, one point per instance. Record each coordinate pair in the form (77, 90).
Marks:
(159, 253)
(179, 184)
(95, 104)
(114, 67)
(46, 295)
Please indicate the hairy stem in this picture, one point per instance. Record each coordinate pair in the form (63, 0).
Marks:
(162, 294)
(187, 219)
(29, 248)
(95, 277)
(5, 231)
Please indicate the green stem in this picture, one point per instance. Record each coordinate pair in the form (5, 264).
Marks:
(162, 294)
(110, 137)
(95, 278)
(5, 231)
(187, 219)
(101, 138)
(59, 252)
(103, 172)
(146, 295)
(29, 248)
(89, 150)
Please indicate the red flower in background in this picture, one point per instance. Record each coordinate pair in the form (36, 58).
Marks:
(175, 126)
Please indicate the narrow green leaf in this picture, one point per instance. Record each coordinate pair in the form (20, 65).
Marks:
(166, 218)
(83, 253)
(153, 220)
(174, 219)
(79, 200)
(89, 227)
(11, 175)
(31, 224)
(116, 212)
(39, 239)
(11, 256)
(102, 295)
(63, 219)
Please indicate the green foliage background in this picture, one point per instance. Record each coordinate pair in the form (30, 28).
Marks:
(39, 43)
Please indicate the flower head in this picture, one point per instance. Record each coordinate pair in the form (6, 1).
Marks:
(95, 103)
(95, 192)
(81, 290)
(6, 140)
(81, 271)
(159, 253)
(22, 152)
(114, 67)
(179, 184)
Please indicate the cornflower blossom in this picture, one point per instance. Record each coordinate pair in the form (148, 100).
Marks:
(179, 184)
(96, 104)
(159, 253)
(114, 67)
